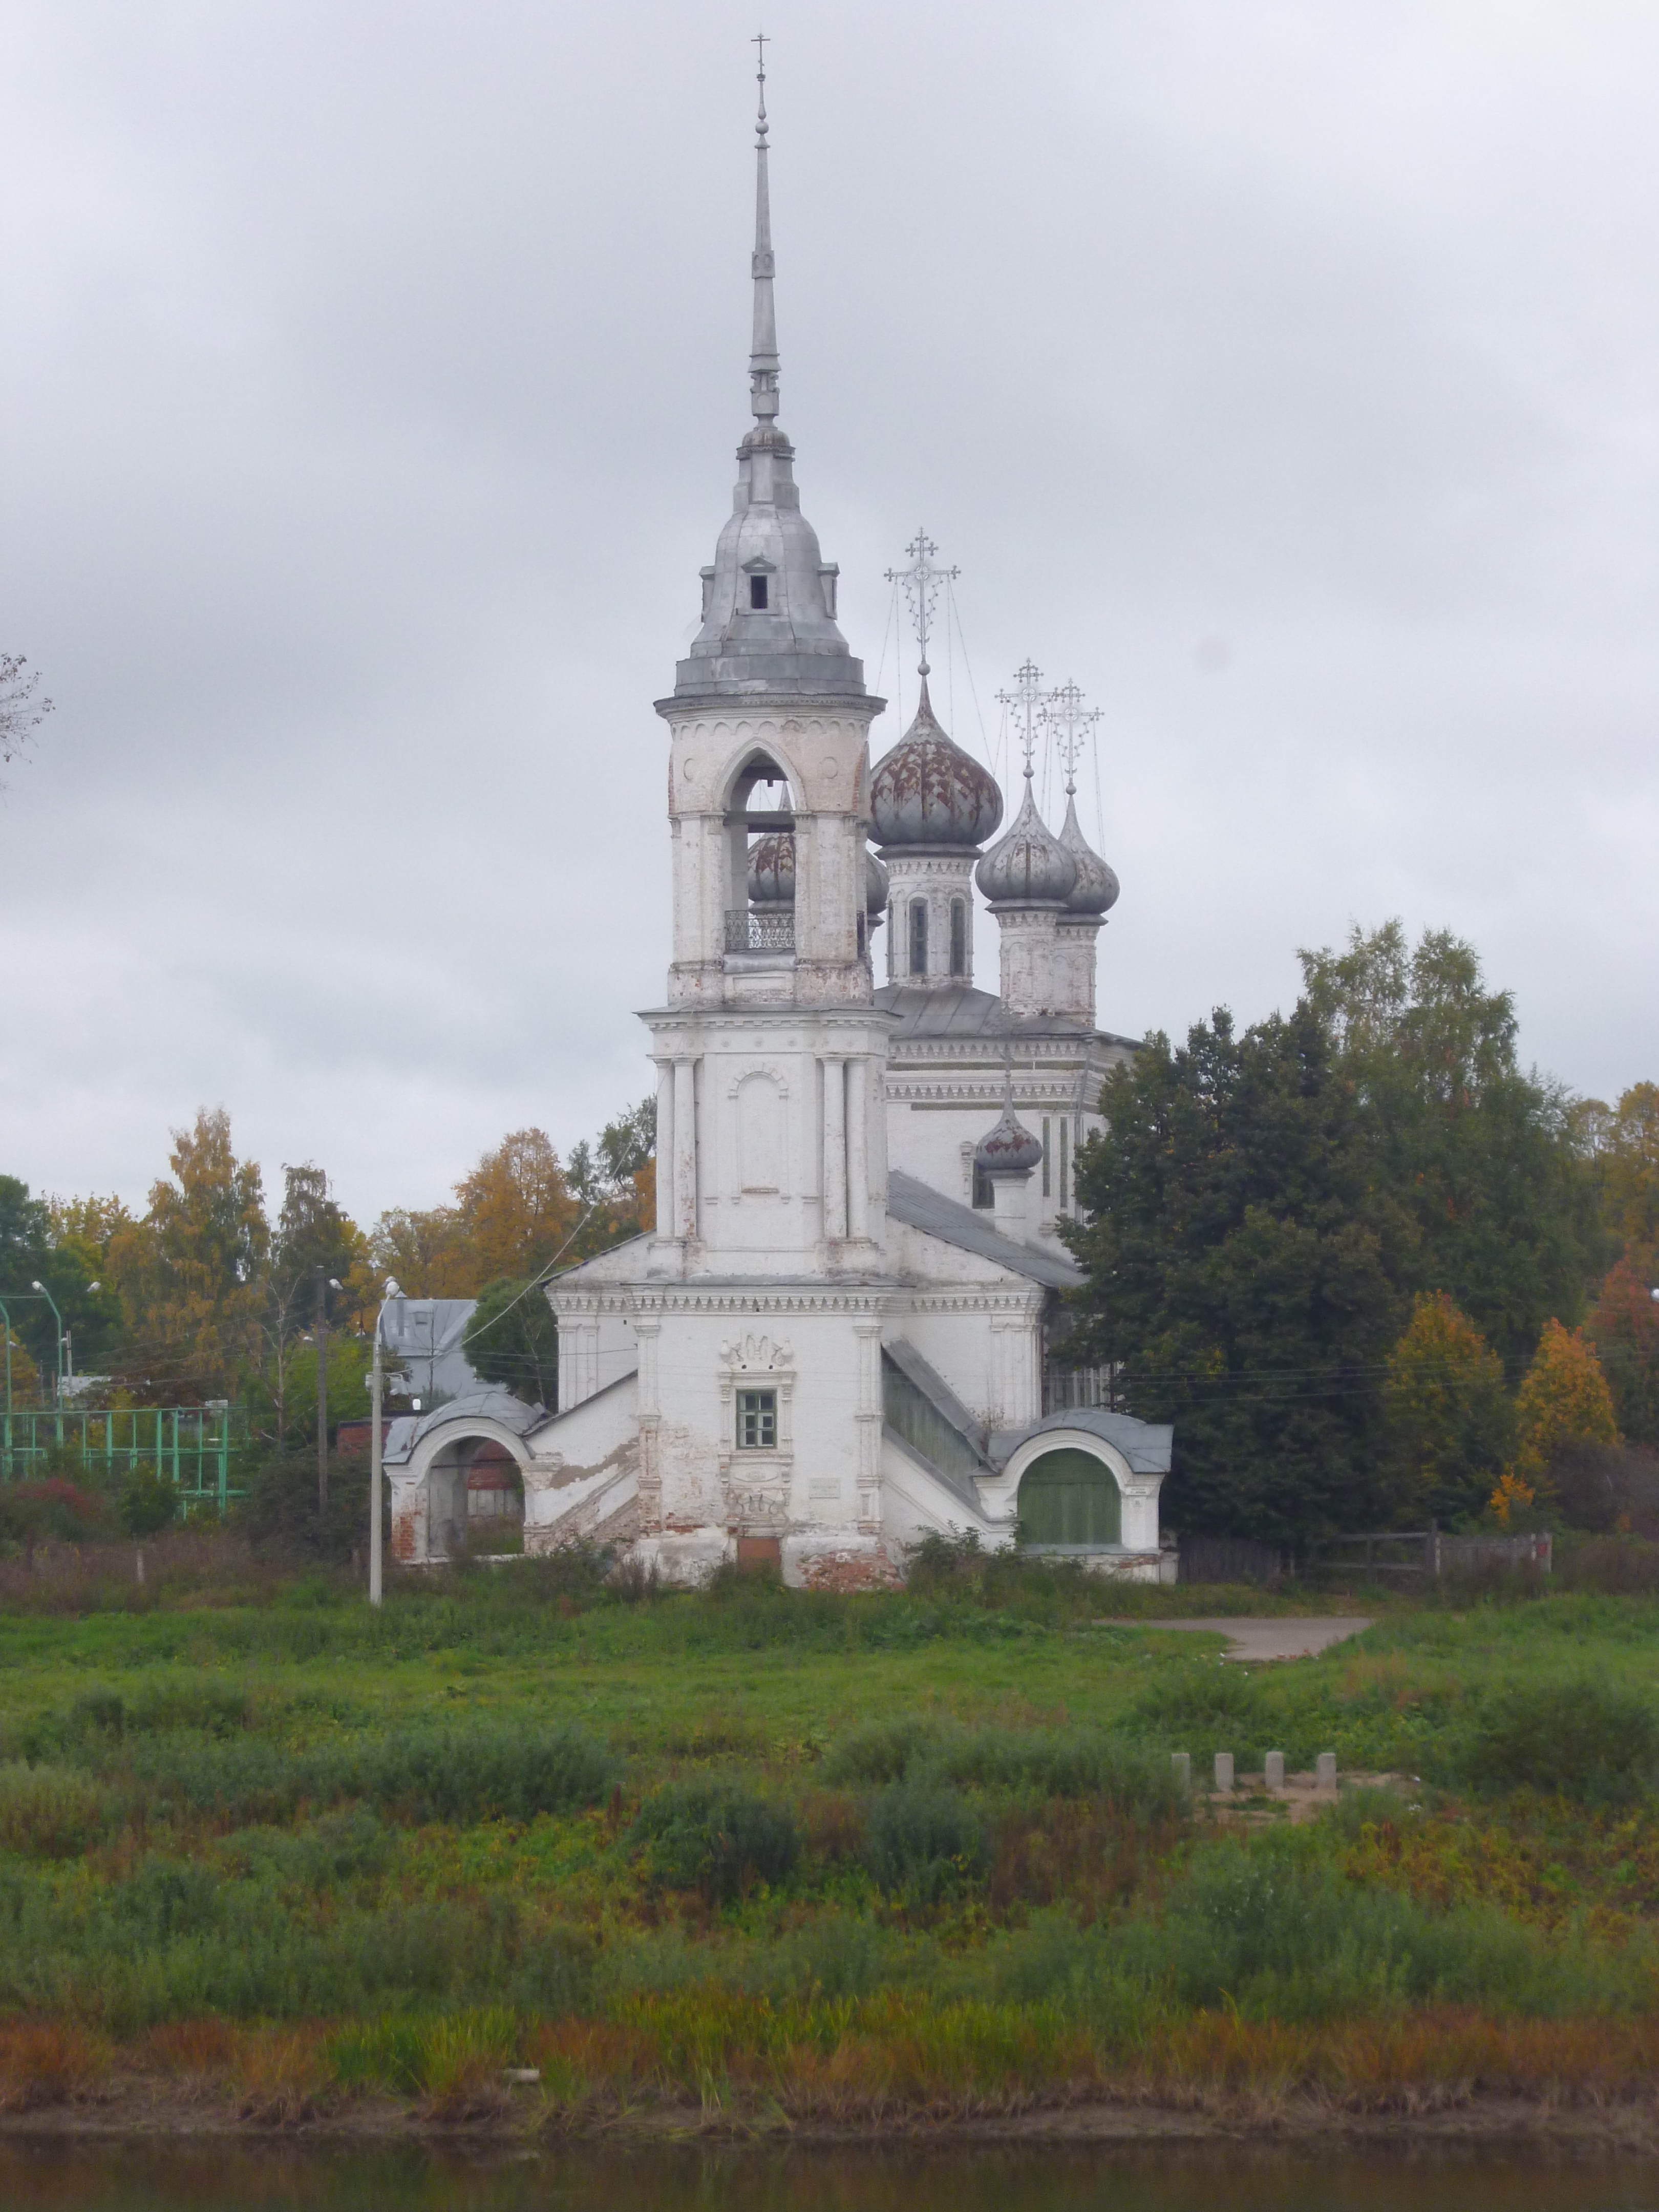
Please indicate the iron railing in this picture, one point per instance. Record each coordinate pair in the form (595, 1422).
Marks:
(190, 1445)
(761, 933)
(1065, 1388)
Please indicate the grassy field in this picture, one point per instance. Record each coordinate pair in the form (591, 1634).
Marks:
(764, 1854)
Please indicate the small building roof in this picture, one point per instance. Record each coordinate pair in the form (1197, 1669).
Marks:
(1146, 1444)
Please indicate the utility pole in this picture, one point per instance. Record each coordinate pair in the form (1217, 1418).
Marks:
(322, 1399)
(376, 1386)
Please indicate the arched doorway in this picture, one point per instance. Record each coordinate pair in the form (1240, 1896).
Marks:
(1070, 1499)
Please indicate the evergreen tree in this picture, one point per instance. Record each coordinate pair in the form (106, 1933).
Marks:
(1240, 1266)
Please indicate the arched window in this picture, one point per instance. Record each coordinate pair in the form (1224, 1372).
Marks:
(958, 937)
(917, 936)
(1070, 1498)
(892, 936)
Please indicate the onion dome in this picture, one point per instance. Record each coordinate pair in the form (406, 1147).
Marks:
(928, 792)
(875, 887)
(772, 869)
(1096, 886)
(1030, 866)
(1010, 1149)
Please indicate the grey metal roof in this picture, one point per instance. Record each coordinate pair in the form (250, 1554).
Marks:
(1146, 1444)
(919, 1207)
(486, 1402)
(934, 1387)
(423, 1338)
(962, 1011)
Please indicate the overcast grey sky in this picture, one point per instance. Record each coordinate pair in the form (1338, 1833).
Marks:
(370, 374)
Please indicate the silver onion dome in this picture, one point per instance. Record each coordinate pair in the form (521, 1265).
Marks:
(928, 792)
(772, 869)
(1010, 1148)
(1029, 866)
(1096, 886)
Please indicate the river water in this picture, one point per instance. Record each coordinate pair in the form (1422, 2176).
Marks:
(587, 2177)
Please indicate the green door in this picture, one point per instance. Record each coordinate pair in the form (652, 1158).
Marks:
(1069, 1497)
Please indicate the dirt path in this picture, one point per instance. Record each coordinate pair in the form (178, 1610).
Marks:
(1252, 1639)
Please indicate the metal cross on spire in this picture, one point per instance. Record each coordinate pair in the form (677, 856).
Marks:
(760, 42)
(1025, 703)
(1071, 720)
(921, 580)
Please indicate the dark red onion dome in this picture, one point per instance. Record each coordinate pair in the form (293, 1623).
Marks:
(772, 869)
(1010, 1148)
(1096, 886)
(1030, 866)
(928, 792)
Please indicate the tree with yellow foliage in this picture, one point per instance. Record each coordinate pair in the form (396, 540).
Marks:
(191, 1274)
(1563, 1400)
(1449, 1417)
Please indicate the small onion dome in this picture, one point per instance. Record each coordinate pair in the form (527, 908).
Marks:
(875, 887)
(928, 792)
(1030, 866)
(1010, 1149)
(1096, 886)
(772, 869)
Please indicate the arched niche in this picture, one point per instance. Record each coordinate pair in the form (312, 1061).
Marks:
(1069, 1500)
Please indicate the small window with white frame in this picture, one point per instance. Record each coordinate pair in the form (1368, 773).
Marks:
(758, 1420)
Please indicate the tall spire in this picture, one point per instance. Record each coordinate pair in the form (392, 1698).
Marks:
(764, 347)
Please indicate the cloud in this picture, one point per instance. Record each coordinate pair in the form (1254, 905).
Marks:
(370, 385)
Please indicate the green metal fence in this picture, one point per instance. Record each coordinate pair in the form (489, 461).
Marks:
(192, 1446)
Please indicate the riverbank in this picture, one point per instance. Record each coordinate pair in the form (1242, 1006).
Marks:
(757, 1859)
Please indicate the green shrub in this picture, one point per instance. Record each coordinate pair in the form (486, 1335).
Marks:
(1579, 1740)
(882, 1751)
(148, 1503)
(1078, 1762)
(48, 1812)
(923, 1842)
(715, 1838)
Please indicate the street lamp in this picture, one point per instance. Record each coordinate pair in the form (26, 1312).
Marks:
(40, 1291)
(375, 1385)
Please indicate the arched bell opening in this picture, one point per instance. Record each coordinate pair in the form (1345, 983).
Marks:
(1069, 1501)
(760, 858)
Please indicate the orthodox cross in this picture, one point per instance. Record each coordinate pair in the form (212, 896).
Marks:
(1071, 720)
(921, 580)
(1024, 702)
(760, 43)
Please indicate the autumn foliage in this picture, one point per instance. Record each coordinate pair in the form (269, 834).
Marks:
(1563, 1400)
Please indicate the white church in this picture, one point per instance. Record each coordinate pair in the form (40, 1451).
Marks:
(847, 1328)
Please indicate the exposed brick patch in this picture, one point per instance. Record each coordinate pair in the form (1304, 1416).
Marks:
(849, 1570)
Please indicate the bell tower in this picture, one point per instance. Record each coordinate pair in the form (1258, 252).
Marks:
(770, 1049)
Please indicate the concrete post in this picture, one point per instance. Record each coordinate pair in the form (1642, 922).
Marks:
(1223, 1770)
(1325, 1771)
(1182, 1762)
(1275, 1774)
